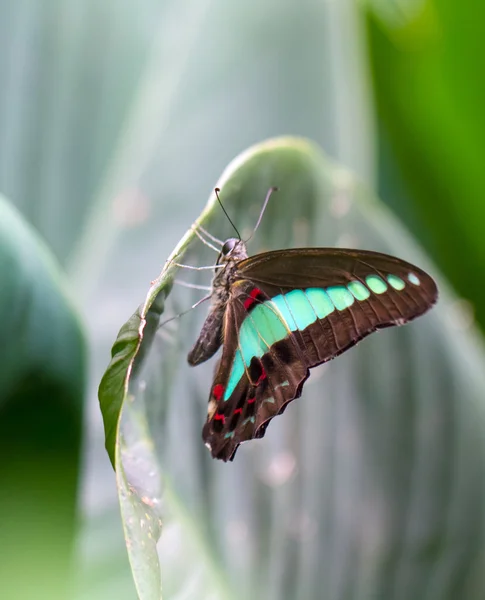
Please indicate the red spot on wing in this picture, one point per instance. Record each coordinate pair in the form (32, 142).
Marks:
(218, 391)
(238, 411)
(262, 377)
(251, 400)
(254, 293)
(219, 417)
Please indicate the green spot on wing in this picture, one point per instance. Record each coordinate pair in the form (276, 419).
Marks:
(396, 282)
(237, 372)
(301, 309)
(281, 305)
(340, 296)
(250, 341)
(320, 301)
(267, 324)
(259, 331)
(358, 290)
(376, 284)
(414, 279)
(285, 383)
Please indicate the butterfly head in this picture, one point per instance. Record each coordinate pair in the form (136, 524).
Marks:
(233, 250)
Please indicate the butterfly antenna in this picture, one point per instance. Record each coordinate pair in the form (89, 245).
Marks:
(265, 203)
(217, 190)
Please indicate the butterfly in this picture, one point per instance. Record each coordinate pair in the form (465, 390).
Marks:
(280, 313)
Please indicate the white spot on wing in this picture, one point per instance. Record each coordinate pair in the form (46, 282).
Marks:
(211, 408)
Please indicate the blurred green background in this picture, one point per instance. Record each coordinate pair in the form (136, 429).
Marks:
(116, 119)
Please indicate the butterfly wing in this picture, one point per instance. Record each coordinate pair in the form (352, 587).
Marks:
(291, 310)
(369, 290)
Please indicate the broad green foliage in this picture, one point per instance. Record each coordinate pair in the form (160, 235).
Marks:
(116, 119)
(377, 465)
(41, 394)
(430, 106)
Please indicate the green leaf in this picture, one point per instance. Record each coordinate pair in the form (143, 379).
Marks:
(396, 13)
(370, 484)
(42, 385)
(117, 118)
(62, 81)
(430, 104)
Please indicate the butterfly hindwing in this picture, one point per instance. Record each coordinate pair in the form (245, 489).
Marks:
(249, 390)
(290, 310)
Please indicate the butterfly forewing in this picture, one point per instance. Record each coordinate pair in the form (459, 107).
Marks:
(291, 310)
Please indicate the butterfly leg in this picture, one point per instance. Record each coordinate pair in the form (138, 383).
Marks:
(193, 286)
(204, 299)
(198, 230)
(204, 241)
(198, 268)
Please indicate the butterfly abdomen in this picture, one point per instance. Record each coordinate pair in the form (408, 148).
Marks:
(210, 337)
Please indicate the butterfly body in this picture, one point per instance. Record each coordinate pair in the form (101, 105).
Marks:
(210, 337)
(280, 313)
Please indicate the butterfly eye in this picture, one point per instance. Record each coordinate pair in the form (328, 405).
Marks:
(229, 246)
